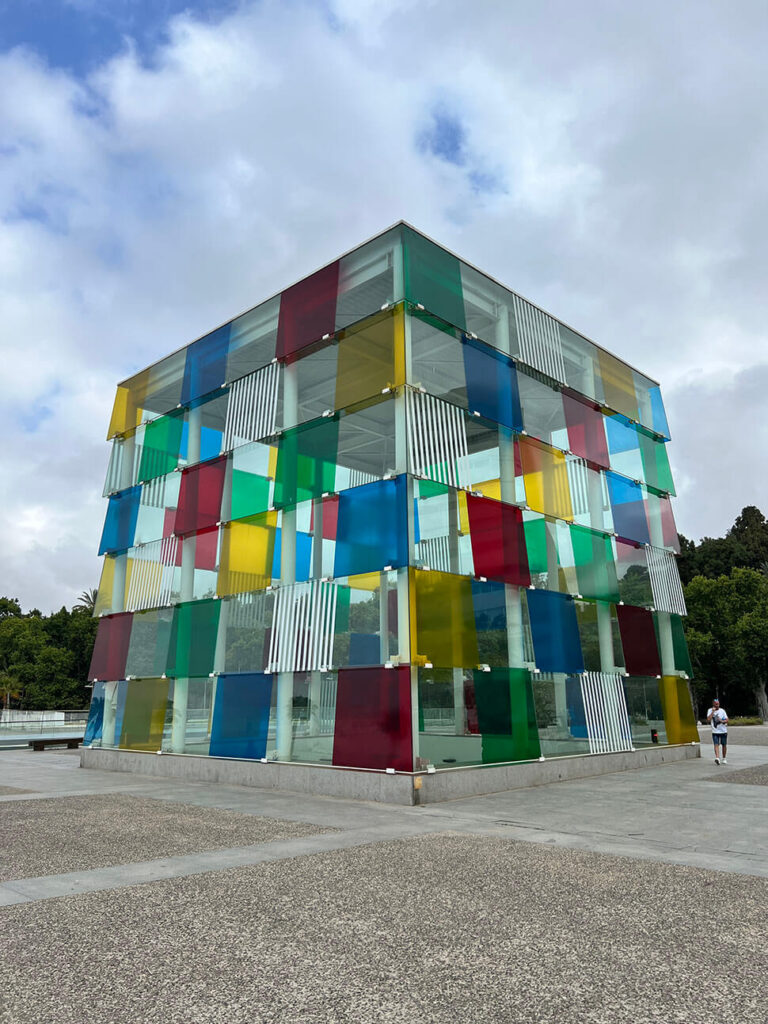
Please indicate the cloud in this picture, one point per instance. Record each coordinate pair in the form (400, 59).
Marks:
(607, 161)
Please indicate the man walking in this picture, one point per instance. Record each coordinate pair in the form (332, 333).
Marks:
(718, 719)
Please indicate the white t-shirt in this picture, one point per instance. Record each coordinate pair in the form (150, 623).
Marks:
(719, 721)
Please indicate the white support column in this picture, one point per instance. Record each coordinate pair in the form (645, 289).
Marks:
(110, 715)
(284, 738)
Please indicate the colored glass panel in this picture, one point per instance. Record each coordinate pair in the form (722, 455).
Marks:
(371, 357)
(555, 632)
(595, 568)
(589, 634)
(638, 641)
(193, 638)
(146, 703)
(618, 384)
(110, 649)
(126, 414)
(444, 631)
(247, 554)
(150, 640)
(498, 540)
(680, 647)
(586, 430)
(546, 479)
(120, 524)
(536, 545)
(628, 509)
(490, 609)
(624, 447)
(307, 311)
(373, 718)
(303, 556)
(95, 721)
(658, 415)
(577, 714)
(656, 470)
(161, 446)
(306, 462)
(662, 520)
(678, 710)
(492, 387)
(206, 365)
(252, 467)
(200, 496)
(506, 716)
(372, 527)
(241, 715)
(433, 278)
(634, 578)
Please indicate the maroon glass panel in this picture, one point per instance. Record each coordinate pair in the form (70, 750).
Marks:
(110, 650)
(200, 496)
(330, 517)
(307, 311)
(586, 430)
(373, 718)
(638, 639)
(498, 540)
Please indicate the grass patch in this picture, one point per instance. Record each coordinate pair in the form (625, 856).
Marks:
(745, 721)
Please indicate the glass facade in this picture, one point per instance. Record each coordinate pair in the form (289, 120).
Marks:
(393, 517)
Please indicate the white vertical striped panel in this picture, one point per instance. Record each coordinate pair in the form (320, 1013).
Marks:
(327, 710)
(437, 439)
(435, 552)
(252, 407)
(665, 581)
(247, 611)
(578, 482)
(113, 483)
(606, 712)
(153, 492)
(303, 627)
(539, 337)
(152, 569)
(358, 477)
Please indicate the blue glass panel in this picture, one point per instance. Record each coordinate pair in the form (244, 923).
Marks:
(628, 508)
(658, 414)
(489, 605)
(95, 715)
(241, 715)
(210, 443)
(622, 436)
(120, 524)
(577, 716)
(492, 388)
(122, 693)
(303, 555)
(371, 530)
(555, 632)
(206, 365)
(364, 649)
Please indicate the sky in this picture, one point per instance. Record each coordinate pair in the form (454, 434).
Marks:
(165, 165)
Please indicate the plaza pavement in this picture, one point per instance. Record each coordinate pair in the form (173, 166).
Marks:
(125, 898)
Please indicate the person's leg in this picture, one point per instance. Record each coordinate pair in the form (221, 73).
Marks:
(724, 745)
(716, 741)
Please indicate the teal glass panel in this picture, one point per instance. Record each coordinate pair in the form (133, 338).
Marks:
(306, 461)
(506, 716)
(252, 339)
(193, 639)
(433, 278)
(595, 568)
(682, 658)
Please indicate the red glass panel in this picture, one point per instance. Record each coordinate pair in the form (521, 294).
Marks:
(200, 496)
(330, 517)
(373, 718)
(307, 311)
(638, 639)
(586, 430)
(110, 650)
(498, 540)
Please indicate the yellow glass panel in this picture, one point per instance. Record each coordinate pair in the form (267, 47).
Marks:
(144, 716)
(678, 710)
(371, 357)
(443, 629)
(463, 513)
(365, 581)
(546, 479)
(247, 552)
(103, 601)
(272, 463)
(126, 414)
(618, 385)
(490, 488)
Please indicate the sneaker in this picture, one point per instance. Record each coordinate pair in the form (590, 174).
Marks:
(717, 760)
(724, 761)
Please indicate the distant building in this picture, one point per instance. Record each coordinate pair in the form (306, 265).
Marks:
(393, 516)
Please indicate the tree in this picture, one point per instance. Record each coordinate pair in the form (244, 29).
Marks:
(86, 601)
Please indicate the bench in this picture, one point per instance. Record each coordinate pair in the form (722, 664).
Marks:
(72, 742)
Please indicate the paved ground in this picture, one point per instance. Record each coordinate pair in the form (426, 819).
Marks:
(587, 901)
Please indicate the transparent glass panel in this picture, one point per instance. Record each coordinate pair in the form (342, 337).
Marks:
(366, 627)
(543, 411)
(437, 358)
(252, 339)
(634, 579)
(149, 643)
(560, 715)
(369, 278)
(644, 707)
(247, 619)
(157, 508)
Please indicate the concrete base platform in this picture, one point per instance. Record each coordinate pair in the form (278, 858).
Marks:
(404, 788)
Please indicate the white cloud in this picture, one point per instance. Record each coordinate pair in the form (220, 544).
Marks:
(157, 199)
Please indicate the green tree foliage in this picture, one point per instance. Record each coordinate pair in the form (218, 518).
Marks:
(44, 659)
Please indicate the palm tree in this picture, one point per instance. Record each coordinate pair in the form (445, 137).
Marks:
(86, 601)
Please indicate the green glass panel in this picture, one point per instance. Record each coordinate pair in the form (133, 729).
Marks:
(431, 489)
(433, 278)
(250, 494)
(144, 716)
(595, 568)
(506, 715)
(536, 544)
(162, 445)
(656, 469)
(306, 462)
(682, 658)
(193, 641)
(343, 597)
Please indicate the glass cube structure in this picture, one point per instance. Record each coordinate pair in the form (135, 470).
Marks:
(395, 516)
